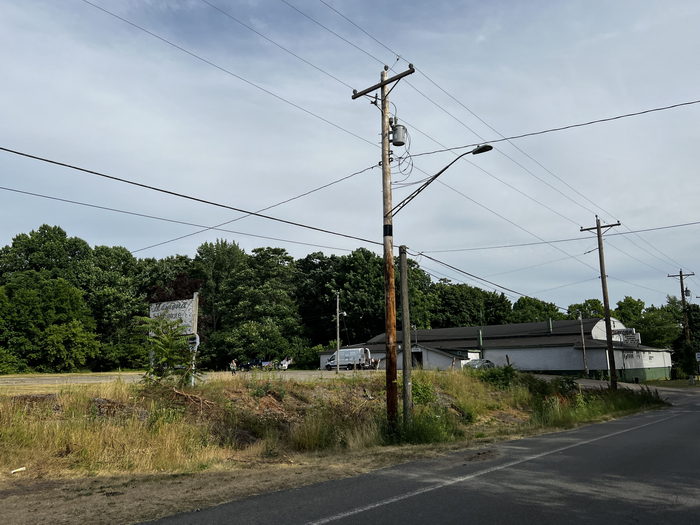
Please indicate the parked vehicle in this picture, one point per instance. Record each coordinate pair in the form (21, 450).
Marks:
(479, 364)
(352, 359)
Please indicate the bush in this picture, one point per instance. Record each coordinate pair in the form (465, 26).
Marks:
(501, 377)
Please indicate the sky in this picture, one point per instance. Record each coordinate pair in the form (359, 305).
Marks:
(247, 104)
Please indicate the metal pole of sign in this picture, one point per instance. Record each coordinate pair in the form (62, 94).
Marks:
(194, 358)
(583, 344)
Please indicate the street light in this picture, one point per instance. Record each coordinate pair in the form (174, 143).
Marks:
(476, 151)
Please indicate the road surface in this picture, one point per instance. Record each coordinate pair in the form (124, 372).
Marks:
(641, 469)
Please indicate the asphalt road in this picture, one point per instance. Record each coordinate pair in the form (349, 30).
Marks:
(641, 469)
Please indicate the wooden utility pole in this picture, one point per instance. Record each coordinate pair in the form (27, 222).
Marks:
(392, 391)
(606, 302)
(406, 329)
(686, 327)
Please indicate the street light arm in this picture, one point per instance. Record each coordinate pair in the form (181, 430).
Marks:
(479, 149)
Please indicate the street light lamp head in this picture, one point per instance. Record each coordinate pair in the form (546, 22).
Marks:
(482, 149)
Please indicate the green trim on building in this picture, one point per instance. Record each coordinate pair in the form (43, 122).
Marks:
(633, 375)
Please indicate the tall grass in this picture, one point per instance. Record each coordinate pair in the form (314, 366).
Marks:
(72, 433)
(566, 411)
(118, 427)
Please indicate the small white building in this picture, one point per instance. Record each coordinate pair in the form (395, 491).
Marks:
(556, 347)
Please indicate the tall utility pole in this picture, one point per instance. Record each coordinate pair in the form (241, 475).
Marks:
(392, 391)
(606, 302)
(686, 328)
(406, 329)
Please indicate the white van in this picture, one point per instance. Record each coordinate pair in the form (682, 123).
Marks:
(351, 358)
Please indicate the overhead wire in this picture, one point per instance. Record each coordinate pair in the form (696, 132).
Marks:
(187, 197)
(570, 239)
(448, 113)
(257, 211)
(399, 57)
(165, 219)
(227, 71)
(247, 81)
(561, 128)
(481, 279)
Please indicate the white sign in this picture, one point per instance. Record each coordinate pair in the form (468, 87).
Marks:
(697, 356)
(623, 331)
(631, 339)
(185, 310)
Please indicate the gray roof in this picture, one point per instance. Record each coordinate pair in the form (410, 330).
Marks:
(521, 335)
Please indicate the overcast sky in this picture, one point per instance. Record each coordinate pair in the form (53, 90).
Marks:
(195, 102)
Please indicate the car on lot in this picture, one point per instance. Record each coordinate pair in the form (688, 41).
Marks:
(479, 364)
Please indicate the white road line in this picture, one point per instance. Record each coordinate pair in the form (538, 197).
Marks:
(468, 477)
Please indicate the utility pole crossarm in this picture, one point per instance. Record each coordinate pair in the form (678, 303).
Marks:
(357, 94)
(618, 223)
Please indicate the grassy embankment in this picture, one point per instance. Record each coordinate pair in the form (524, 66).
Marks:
(124, 428)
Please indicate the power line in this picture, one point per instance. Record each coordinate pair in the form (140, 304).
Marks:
(454, 117)
(482, 138)
(188, 197)
(563, 128)
(499, 286)
(257, 211)
(520, 227)
(229, 72)
(570, 239)
(198, 57)
(566, 285)
(283, 48)
(164, 219)
(332, 32)
(530, 267)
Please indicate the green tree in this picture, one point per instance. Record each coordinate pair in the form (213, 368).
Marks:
(497, 308)
(661, 326)
(457, 305)
(420, 292)
(169, 351)
(46, 323)
(315, 284)
(47, 249)
(530, 310)
(630, 311)
(360, 277)
(66, 347)
(220, 266)
(588, 309)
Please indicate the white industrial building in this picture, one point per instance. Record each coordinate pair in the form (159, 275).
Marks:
(557, 347)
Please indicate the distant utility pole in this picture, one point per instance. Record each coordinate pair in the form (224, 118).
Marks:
(406, 329)
(606, 302)
(392, 391)
(686, 327)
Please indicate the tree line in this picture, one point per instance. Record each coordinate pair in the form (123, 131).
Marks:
(65, 305)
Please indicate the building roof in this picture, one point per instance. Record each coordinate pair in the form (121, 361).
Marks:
(520, 335)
